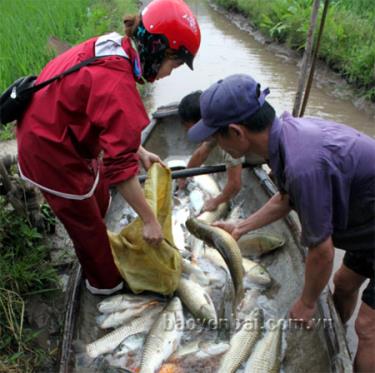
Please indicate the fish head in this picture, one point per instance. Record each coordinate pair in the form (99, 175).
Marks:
(259, 275)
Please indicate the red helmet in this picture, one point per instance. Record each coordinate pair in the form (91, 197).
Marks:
(174, 20)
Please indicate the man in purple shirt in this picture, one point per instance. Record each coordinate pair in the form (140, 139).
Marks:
(326, 172)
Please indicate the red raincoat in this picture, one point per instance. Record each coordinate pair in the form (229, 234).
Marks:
(62, 134)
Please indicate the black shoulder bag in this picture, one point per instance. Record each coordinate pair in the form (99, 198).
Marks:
(15, 99)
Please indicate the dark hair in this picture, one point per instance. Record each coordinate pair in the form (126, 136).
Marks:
(257, 122)
(260, 120)
(189, 108)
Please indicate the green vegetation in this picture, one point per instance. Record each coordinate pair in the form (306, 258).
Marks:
(27, 25)
(24, 268)
(7, 132)
(348, 44)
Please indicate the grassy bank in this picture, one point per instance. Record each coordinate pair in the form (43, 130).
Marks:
(24, 269)
(27, 25)
(24, 265)
(348, 44)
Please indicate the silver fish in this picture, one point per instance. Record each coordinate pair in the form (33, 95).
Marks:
(210, 187)
(266, 355)
(214, 257)
(164, 337)
(130, 344)
(194, 272)
(123, 302)
(115, 319)
(249, 301)
(255, 273)
(128, 352)
(110, 341)
(197, 301)
(226, 245)
(257, 244)
(242, 343)
(211, 216)
(200, 349)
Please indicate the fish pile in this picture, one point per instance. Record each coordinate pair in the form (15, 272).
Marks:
(194, 331)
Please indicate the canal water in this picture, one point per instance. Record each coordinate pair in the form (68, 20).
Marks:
(227, 49)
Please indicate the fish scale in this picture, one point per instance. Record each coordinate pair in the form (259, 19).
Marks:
(110, 341)
(121, 302)
(226, 245)
(266, 356)
(257, 244)
(164, 337)
(197, 300)
(115, 319)
(256, 273)
(242, 343)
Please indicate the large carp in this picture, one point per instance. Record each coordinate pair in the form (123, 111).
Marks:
(110, 341)
(197, 301)
(227, 247)
(122, 302)
(266, 355)
(164, 337)
(257, 244)
(242, 342)
(255, 273)
(115, 319)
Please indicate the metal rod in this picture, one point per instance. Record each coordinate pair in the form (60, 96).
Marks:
(195, 171)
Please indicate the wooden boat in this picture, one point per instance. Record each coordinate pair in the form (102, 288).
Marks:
(322, 350)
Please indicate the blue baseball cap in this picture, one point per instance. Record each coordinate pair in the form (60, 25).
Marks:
(230, 100)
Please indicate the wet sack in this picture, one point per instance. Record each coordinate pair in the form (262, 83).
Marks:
(146, 267)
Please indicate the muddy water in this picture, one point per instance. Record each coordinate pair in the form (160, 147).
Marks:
(226, 50)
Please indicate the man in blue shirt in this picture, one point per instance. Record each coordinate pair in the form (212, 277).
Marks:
(325, 171)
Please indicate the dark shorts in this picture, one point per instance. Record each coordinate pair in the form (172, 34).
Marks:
(359, 243)
(363, 263)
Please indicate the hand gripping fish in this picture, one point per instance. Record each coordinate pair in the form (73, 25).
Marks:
(227, 247)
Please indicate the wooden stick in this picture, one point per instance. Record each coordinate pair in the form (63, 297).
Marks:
(306, 60)
(315, 57)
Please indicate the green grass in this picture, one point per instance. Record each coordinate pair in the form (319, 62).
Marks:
(7, 132)
(348, 44)
(26, 26)
(24, 268)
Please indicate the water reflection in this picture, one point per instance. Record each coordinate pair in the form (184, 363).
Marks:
(226, 50)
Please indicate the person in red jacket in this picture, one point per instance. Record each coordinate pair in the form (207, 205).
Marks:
(82, 134)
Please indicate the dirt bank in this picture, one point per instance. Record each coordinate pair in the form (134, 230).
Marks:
(324, 76)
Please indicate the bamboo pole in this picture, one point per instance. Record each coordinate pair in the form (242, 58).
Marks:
(315, 56)
(307, 56)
